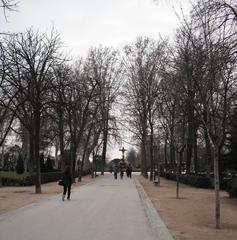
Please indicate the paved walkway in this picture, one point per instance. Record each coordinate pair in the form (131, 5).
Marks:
(106, 209)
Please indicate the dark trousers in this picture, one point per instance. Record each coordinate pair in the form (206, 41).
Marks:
(67, 189)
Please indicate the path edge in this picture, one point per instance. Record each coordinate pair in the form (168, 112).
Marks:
(11, 213)
(158, 227)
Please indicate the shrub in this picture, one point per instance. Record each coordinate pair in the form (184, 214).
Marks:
(232, 188)
(20, 165)
(224, 182)
(204, 182)
(45, 177)
(49, 165)
(195, 181)
(42, 165)
(13, 179)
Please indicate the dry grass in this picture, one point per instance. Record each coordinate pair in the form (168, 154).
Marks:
(192, 216)
(12, 198)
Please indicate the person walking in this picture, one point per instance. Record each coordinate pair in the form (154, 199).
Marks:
(122, 168)
(121, 173)
(127, 171)
(67, 182)
(115, 171)
(130, 170)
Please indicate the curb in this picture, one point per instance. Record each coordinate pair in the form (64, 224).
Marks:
(158, 227)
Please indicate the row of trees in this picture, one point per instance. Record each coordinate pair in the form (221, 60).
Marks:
(46, 100)
(184, 94)
(181, 96)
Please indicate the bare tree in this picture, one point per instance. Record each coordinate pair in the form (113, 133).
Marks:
(104, 66)
(31, 57)
(6, 117)
(214, 66)
(62, 77)
(79, 98)
(143, 65)
(218, 38)
(8, 6)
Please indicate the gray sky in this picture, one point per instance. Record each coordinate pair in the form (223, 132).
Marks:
(86, 23)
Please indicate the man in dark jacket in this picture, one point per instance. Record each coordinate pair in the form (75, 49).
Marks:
(67, 182)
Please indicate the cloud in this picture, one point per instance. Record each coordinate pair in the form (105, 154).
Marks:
(85, 23)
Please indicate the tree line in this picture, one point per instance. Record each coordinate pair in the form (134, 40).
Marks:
(45, 99)
(186, 90)
(181, 97)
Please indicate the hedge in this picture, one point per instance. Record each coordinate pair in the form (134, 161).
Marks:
(45, 178)
(228, 182)
(14, 179)
(192, 180)
(232, 188)
(28, 180)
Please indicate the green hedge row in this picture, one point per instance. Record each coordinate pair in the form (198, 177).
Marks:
(232, 188)
(195, 181)
(30, 180)
(226, 183)
(13, 179)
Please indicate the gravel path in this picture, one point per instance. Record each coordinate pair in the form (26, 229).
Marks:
(102, 210)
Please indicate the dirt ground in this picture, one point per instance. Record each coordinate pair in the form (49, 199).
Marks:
(193, 215)
(12, 198)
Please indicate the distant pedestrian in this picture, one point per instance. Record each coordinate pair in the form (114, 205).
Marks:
(129, 170)
(121, 173)
(115, 172)
(67, 182)
(122, 168)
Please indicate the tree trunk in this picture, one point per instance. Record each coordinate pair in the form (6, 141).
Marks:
(189, 151)
(105, 139)
(80, 172)
(165, 152)
(208, 145)
(25, 146)
(217, 184)
(172, 153)
(37, 147)
(61, 142)
(104, 152)
(143, 156)
(158, 163)
(195, 156)
(31, 160)
(177, 178)
(92, 165)
(87, 164)
(172, 147)
(73, 151)
(178, 170)
(56, 156)
(190, 121)
(151, 153)
(84, 156)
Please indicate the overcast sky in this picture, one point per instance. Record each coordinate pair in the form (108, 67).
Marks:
(86, 23)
